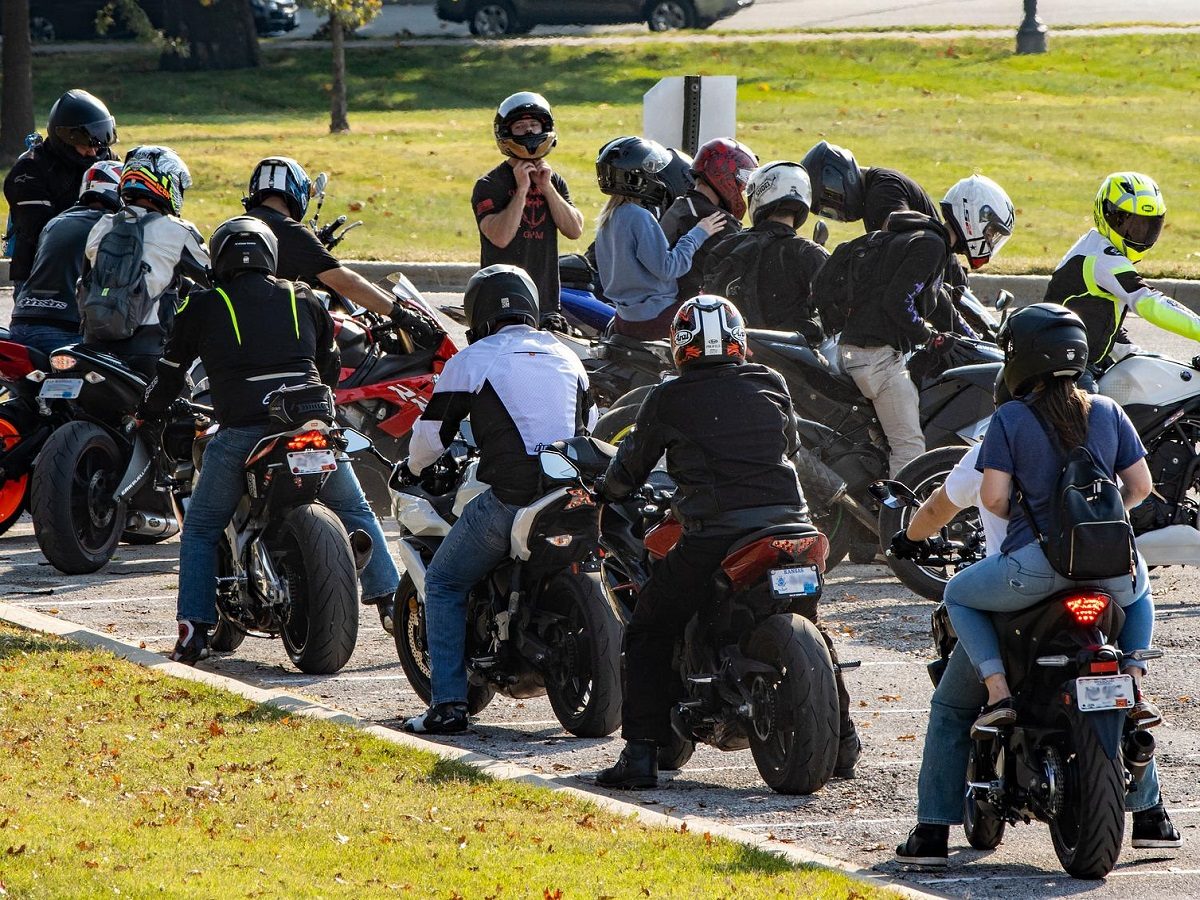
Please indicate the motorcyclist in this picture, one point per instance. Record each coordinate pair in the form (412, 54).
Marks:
(522, 389)
(728, 428)
(720, 171)
(278, 194)
(887, 323)
(774, 289)
(521, 205)
(45, 312)
(1097, 280)
(254, 333)
(44, 181)
(1039, 342)
(638, 268)
(153, 182)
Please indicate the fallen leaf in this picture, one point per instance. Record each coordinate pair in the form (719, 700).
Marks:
(215, 729)
(907, 737)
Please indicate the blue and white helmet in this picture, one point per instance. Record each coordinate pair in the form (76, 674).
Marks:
(280, 176)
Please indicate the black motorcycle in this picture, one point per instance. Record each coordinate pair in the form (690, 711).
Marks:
(286, 567)
(100, 477)
(539, 623)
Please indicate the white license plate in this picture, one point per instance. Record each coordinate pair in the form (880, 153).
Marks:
(795, 581)
(61, 388)
(1105, 692)
(310, 462)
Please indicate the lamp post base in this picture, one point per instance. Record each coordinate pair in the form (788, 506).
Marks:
(1031, 36)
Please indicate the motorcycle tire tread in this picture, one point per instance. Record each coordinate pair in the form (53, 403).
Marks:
(1100, 806)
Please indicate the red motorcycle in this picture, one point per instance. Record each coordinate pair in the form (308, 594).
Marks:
(385, 385)
(24, 424)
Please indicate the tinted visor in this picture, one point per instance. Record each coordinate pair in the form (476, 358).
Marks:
(1142, 232)
(102, 133)
(993, 235)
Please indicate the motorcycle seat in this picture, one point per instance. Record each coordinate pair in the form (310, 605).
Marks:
(792, 529)
(632, 346)
(392, 366)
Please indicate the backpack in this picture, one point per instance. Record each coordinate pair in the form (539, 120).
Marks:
(114, 299)
(733, 272)
(1089, 537)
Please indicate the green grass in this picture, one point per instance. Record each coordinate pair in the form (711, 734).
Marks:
(116, 781)
(1046, 127)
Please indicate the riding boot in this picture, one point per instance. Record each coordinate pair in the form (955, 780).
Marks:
(636, 770)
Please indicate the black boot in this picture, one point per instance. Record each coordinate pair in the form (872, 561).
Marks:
(849, 751)
(636, 770)
(1152, 828)
(926, 847)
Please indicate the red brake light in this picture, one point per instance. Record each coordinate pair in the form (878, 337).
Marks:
(1086, 608)
(308, 440)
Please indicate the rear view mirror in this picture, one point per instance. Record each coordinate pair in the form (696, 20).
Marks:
(893, 494)
(355, 440)
(320, 184)
(557, 467)
(820, 232)
(1004, 299)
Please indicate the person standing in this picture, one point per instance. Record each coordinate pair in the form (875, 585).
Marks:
(522, 204)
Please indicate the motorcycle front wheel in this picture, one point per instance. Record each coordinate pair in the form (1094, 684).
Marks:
(314, 559)
(412, 648)
(1088, 830)
(75, 520)
(795, 722)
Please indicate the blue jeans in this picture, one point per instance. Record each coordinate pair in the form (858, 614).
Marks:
(955, 705)
(212, 505)
(1008, 582)
(46, 338)
(477, 543)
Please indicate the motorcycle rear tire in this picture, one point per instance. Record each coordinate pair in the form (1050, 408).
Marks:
(1088, 832)
(932, 467)
(409, 635)
(983, 828)
(76, 524)
(321, 626)
(584, 688)
(798, 753)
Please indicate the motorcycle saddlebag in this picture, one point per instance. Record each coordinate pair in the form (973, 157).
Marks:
(291, 407)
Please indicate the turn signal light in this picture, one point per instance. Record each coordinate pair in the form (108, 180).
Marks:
(1086, 608)
(60, 362)
(308, 440)
(559, 540)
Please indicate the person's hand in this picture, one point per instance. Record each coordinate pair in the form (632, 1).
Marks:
(524, 174)
(904, 547)
(712, 224)
(402, 475)
(424, 332)
(555, 321)
(541, 175)
(943, 342)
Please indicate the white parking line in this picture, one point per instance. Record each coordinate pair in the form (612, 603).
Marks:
(48, 600)
(306, 680)
(814, 823)
(1116, 873)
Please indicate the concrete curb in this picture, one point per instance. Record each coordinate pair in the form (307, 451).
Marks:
(301, 706)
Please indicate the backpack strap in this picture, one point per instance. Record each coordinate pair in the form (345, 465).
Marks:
(1052, 437)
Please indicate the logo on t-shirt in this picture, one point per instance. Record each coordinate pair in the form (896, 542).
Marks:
(533, 216)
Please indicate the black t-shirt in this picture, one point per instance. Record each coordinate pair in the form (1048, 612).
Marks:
(886, 191)
(535, 245)
(301, 256)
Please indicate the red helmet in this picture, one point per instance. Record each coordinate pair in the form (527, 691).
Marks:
(725, 166)
(708, 329)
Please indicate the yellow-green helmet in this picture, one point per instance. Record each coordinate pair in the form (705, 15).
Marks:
(1129, 212)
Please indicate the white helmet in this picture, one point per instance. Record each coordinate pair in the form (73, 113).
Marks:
(100, 184)
(982, 217)
(779, 186)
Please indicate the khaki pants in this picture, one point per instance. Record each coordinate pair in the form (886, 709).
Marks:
(883, 378)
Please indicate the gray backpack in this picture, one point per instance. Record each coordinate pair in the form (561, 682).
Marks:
(113, 297)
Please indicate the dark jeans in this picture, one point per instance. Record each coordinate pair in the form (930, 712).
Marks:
(656, 329)
(141, 352)
(46, 338)
(680, 585)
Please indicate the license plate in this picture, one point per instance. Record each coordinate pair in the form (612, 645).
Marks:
(1105, 692)
(61, 388)
(311, 462)
(795, 581)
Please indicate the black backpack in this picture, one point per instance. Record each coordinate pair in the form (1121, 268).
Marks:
(113, 297)
(733, 268)
(1088, 537)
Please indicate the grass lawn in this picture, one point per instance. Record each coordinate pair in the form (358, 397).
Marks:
(117, 780)
(1046, 127)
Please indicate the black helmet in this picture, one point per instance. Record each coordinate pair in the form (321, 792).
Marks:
(242, 244)
(283, 177)
(499, 293)
(78, 119)
(1000, 392)
(677, 177)
(837, 182)
(633, 167)
(525, 104)
(1043, 339)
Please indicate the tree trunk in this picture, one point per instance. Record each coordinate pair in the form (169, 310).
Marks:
(339, 121)
(16, 101)
(218, 34)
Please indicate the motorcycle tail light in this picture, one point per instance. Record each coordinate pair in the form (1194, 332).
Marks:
(1086, 608)
(559, 540)
(1103, 667)
(60, 362)
(308, 440)
(93, 378)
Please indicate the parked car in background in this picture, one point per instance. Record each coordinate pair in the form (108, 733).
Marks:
(493, 18)
(273, 16)
(75, 20)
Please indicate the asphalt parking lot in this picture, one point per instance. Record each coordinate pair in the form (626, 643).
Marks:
(875, 619)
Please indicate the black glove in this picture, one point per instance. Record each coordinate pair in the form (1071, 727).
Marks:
(555, 321)
(904, 547)
(600, 486)
(942, 342)
(424, 333)
(402, 475)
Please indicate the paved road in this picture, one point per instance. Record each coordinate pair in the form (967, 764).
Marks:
(419, 19)
(876, 620)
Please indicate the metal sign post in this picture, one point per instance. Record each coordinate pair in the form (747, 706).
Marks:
(686, 111)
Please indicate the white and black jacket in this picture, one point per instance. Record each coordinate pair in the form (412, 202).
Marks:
(522, 390)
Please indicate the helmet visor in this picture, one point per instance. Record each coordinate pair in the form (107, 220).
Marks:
(993, 235)
(657, 159)
(102, 133)
(1142, 232)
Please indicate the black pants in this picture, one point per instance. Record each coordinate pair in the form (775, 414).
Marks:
(680, 585)
(141, 352)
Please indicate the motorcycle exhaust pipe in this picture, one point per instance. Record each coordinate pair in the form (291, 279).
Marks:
(361, 546)
(1138, 750)
(824, 488)
(150, 525)
(858, 511)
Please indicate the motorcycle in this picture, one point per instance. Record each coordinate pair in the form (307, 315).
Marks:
(754, 670)
(23, 430)
(539, 623)
(100, 477)
(286, 567)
